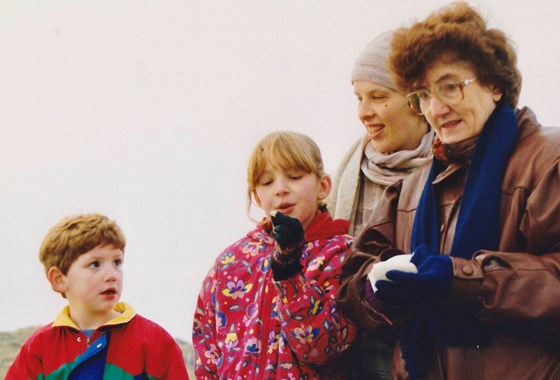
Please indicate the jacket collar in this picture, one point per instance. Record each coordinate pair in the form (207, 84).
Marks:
(461, 152)
(126, 310)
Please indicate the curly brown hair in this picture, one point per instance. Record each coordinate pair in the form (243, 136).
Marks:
(458, 31)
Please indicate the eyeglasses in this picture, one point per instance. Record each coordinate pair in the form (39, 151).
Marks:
(448, 91)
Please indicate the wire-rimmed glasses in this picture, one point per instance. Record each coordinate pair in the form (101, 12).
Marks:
(449, 92)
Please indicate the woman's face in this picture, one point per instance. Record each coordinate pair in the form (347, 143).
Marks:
(458, 122)
(390, 124)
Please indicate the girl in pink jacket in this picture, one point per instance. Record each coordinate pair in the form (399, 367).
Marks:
(267, 307)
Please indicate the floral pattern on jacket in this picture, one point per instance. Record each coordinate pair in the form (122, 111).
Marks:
(246, 325)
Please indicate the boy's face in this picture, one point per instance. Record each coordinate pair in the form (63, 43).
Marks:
(292, 192)
(93, 284)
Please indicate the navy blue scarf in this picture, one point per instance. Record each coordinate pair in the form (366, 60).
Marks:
(477, 228)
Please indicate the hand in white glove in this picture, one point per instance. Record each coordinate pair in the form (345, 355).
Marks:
(399, 262)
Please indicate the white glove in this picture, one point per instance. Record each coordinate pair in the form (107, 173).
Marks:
(399, 262)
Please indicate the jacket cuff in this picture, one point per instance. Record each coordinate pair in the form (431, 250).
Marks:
(284, 270)
(467, 280)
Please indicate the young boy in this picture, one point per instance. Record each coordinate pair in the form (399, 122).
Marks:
(95, 336)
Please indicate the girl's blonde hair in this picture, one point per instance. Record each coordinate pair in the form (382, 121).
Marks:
(284, 150)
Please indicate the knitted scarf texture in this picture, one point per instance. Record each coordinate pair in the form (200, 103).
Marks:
(386, 169)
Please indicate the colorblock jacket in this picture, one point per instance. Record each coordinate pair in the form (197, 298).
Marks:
(248, 326)
(515, 289)
(127, 347)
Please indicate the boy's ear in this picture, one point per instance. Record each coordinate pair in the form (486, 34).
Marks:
(56, 278)
(325, 186)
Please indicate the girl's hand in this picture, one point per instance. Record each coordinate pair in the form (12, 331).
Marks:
(288, 232)
(290, 239)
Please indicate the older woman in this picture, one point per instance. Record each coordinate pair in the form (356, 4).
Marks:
(396, 142)
(480, 297)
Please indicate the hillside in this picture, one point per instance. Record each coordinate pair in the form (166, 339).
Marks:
(10, 343)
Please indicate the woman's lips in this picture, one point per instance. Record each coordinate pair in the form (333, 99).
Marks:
(450, 124)
(374, 130)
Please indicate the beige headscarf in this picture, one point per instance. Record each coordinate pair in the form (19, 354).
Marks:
(371, 64)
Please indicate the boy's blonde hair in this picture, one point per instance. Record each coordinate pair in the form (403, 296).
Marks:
(75, 235)
(284, 150)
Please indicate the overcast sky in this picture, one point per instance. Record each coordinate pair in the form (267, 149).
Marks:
(147, 111)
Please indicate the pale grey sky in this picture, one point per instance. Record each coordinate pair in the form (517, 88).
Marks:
(147, 111)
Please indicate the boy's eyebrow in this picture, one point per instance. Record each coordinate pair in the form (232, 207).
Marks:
(99, 255)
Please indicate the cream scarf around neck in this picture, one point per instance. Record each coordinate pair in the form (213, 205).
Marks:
(386, 169)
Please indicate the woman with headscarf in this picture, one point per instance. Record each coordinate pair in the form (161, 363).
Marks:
(479, 298)
(396, 142)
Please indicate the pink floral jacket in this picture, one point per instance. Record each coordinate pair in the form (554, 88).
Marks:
(247, 326)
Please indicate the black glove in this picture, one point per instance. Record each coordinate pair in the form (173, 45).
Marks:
(288, 232)
(290, 237)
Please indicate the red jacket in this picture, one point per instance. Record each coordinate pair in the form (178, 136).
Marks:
(247, 326)
(127, 346)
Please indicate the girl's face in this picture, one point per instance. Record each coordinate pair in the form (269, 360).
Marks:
(458, 122)
(390, 123)
(292, 192)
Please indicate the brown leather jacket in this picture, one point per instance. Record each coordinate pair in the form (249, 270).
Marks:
(516, 289)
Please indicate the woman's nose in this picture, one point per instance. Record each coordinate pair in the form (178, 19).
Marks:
(365, 112)
(437, 107)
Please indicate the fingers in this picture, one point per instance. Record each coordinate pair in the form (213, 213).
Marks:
(274, 217)
(405, 278)
(391, 293)
(285, 230)
(278, 218)
(288, 231)
(286, 223)
(415, 280)
(281, 235)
